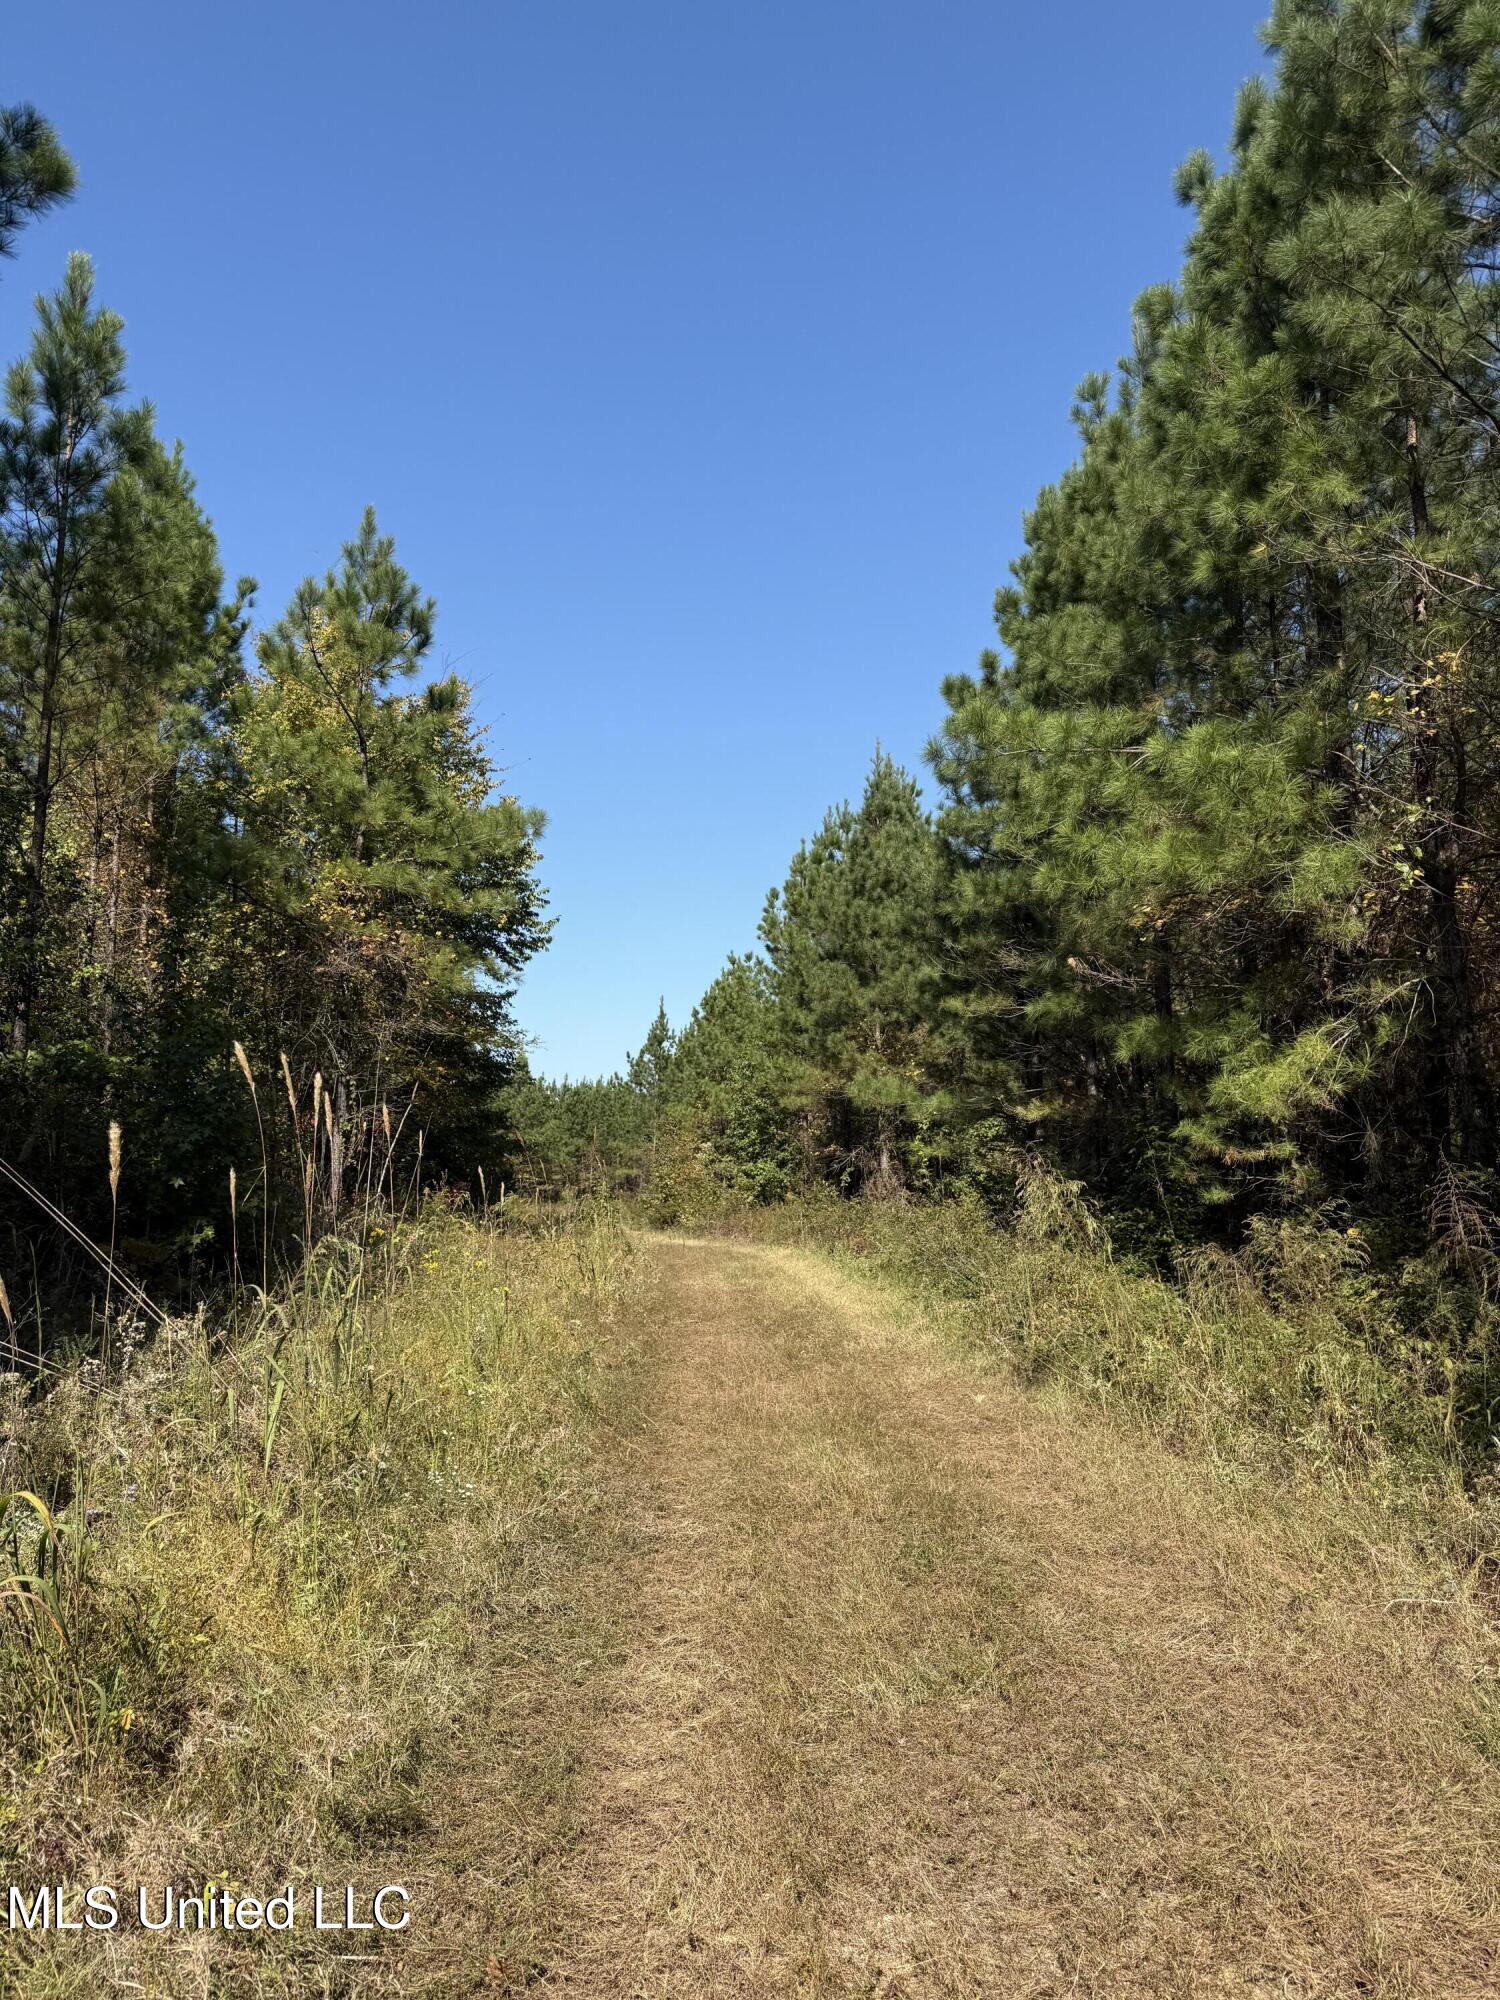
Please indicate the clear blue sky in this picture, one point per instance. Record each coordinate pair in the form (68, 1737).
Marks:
(701, 358)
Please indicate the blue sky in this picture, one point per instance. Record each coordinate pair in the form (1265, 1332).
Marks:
(702, 359)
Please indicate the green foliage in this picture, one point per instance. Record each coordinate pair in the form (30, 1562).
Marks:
(649, 1073)
(577, 1137)
(35, 173)
(311, 858)
(729, 1087)
(851, 977)
(392, 895)
(599, 1135)
(1219, 825)
(1204, 930)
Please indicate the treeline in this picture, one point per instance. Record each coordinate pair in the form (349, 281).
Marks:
(594, 1135)
(299, 846)
(1205, 916)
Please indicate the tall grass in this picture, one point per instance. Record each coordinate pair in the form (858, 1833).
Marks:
(265, 1169)
(1289, 1353)
(116, 1155)
(245, 1551)
(41, 1584)
(242, 1573)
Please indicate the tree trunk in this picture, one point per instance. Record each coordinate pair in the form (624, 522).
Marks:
(36, 862)
(41, 791)
(1460, 1103)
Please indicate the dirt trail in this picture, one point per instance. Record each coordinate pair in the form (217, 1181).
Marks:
(927, 1690)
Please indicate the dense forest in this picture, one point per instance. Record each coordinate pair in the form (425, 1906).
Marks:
(259, 906)
(1205, 918)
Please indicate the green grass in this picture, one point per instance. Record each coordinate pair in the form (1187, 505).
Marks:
(255, 1584)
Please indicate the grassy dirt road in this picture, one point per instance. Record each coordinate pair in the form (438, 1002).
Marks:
(922, 1685)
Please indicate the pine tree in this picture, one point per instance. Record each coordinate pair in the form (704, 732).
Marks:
(728, 1087)
(852, 964)
(63, 441)
(1217, 823)
(35, 173)
(393, 891)
(116, 661)
(592, 1135)
(649, 1069)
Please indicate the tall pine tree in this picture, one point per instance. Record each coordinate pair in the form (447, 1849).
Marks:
(852, 962)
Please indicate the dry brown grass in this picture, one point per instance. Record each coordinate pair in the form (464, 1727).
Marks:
(330, 1573)
(770, 1645)
(939, 1689)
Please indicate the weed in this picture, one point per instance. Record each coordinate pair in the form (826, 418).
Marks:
(245, 1574)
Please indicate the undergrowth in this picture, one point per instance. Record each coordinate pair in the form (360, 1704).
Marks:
(1288, 1357)
(244, 1578)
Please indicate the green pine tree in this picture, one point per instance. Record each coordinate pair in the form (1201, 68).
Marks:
(852, 973)
(392, 889)
(35, 173)
(1217, 820)
(65, 440)
(729, 1086)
